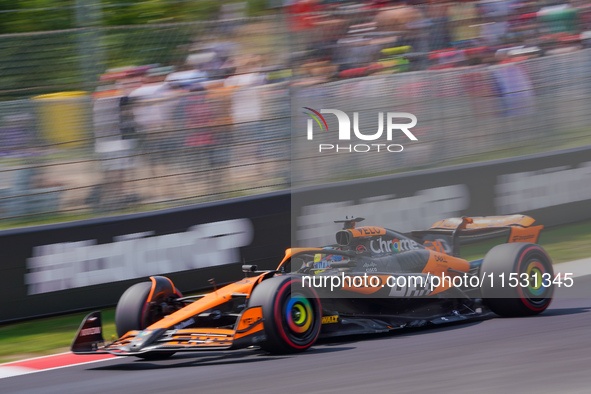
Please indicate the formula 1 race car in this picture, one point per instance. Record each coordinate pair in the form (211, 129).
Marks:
(372, 280)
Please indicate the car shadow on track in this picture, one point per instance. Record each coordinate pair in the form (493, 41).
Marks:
(325, 345)
(209, 359)
(404, 332)
(565, 311)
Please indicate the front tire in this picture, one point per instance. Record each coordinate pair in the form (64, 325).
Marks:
(292, 314)
(131, 308)
(530, 264)
(133, 312)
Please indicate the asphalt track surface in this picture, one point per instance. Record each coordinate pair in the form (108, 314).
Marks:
(548, 353)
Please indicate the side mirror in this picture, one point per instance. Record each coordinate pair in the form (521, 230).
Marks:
(249, 268)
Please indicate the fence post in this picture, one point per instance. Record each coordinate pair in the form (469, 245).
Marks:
(89, 15)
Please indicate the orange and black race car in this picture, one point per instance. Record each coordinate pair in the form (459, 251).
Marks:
(372, 280)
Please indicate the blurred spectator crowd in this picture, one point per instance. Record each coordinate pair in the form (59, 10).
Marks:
(383, 36)
(205, 123)
(219, 125)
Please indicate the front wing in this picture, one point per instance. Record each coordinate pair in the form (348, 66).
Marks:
(247, 331)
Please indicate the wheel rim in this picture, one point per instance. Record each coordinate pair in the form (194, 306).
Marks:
(538, 292)
(535, 270)
(299, 315)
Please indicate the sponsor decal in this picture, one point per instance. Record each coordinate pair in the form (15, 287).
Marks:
(410, 286)
(184, 324)
(522, 238)
(68, 265)
(395, 245)
(368, 231)
(435, 245)
(90, 331)
(440, 258)
(205, 340)
(325, 262)
(361, 248)
(330, 319)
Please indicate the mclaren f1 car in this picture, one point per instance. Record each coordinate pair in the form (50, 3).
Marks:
(362, 284)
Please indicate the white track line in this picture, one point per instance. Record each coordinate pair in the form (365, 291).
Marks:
(576, 268)
(7, 372)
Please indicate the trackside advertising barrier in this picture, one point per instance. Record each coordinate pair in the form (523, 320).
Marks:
(88, 264)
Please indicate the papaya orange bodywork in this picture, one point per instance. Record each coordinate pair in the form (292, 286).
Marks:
(209, 301)
(368, 289)
(250, 322)
(527, 234)
(488, 221)
(151, 294)
(440, 264)
(367, 231)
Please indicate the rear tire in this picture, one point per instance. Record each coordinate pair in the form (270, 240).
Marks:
(133, 313)
(530, 296)
(292, 314)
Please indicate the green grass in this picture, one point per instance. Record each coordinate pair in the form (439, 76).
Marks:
(46, 335)
(569, 139)
(53, 335)
(38, 220)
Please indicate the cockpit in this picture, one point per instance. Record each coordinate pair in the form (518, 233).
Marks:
(320, 260)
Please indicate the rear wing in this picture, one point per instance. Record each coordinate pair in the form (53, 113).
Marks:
(445, 235)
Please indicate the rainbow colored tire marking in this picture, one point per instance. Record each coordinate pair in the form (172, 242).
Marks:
(298, 314)
(535, 270)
